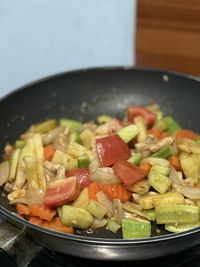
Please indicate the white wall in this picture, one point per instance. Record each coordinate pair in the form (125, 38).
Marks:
(43, 37)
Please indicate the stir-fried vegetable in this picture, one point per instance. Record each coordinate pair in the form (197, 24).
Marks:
(120, 175)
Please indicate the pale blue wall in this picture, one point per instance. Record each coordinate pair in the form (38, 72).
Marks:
(43, 37)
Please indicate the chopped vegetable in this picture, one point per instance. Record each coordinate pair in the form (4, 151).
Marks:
(96, 209)
(185, 133)
(112, 149)
(93, 189)
(83, 199)
(76, 217)
(177, 228)
(164, 153)
(22, 209)
(176, 214)
(135, 159)
(4, 172)
(128, 133)
(83, 161)
(175, 162)
(82, 175)
(44, 127)
(151, 201)
(14, 163)
(36, 220)
(104, 176)
(159, 182)
(57, 225)
(71, 124)
(155, 132)
(168, 123)
(61, 191)
(116, 191)
(141, 187)
(113, 226)
(49, 152)
(128, 173)
(20, 143)
(148, 115)
(142, 128)
(151, 213)
(101, 119)
(135, 229)
(42, 212)
(146, 167)
(64, 159)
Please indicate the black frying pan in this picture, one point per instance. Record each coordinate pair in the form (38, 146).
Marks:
(83, 95)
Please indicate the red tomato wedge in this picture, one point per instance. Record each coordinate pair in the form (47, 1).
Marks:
(128, 173)
(82, 175)
(148, 115)
(112, 149)
(61, 192)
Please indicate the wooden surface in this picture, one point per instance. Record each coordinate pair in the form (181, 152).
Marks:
(168, 35)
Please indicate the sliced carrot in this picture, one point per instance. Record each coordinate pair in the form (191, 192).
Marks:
(184, 133)
(36, 220)
(93, 188)
(146, 167)
(155, 132)
(164, 135)
(22, 209)
(42, 212)
(174, 161)
(49, 152)
(57, 225)
(117, 191)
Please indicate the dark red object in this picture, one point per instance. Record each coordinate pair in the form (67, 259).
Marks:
(61, 192)
(129, 174)
(148, 115)
(82, 175)
(112, 149)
